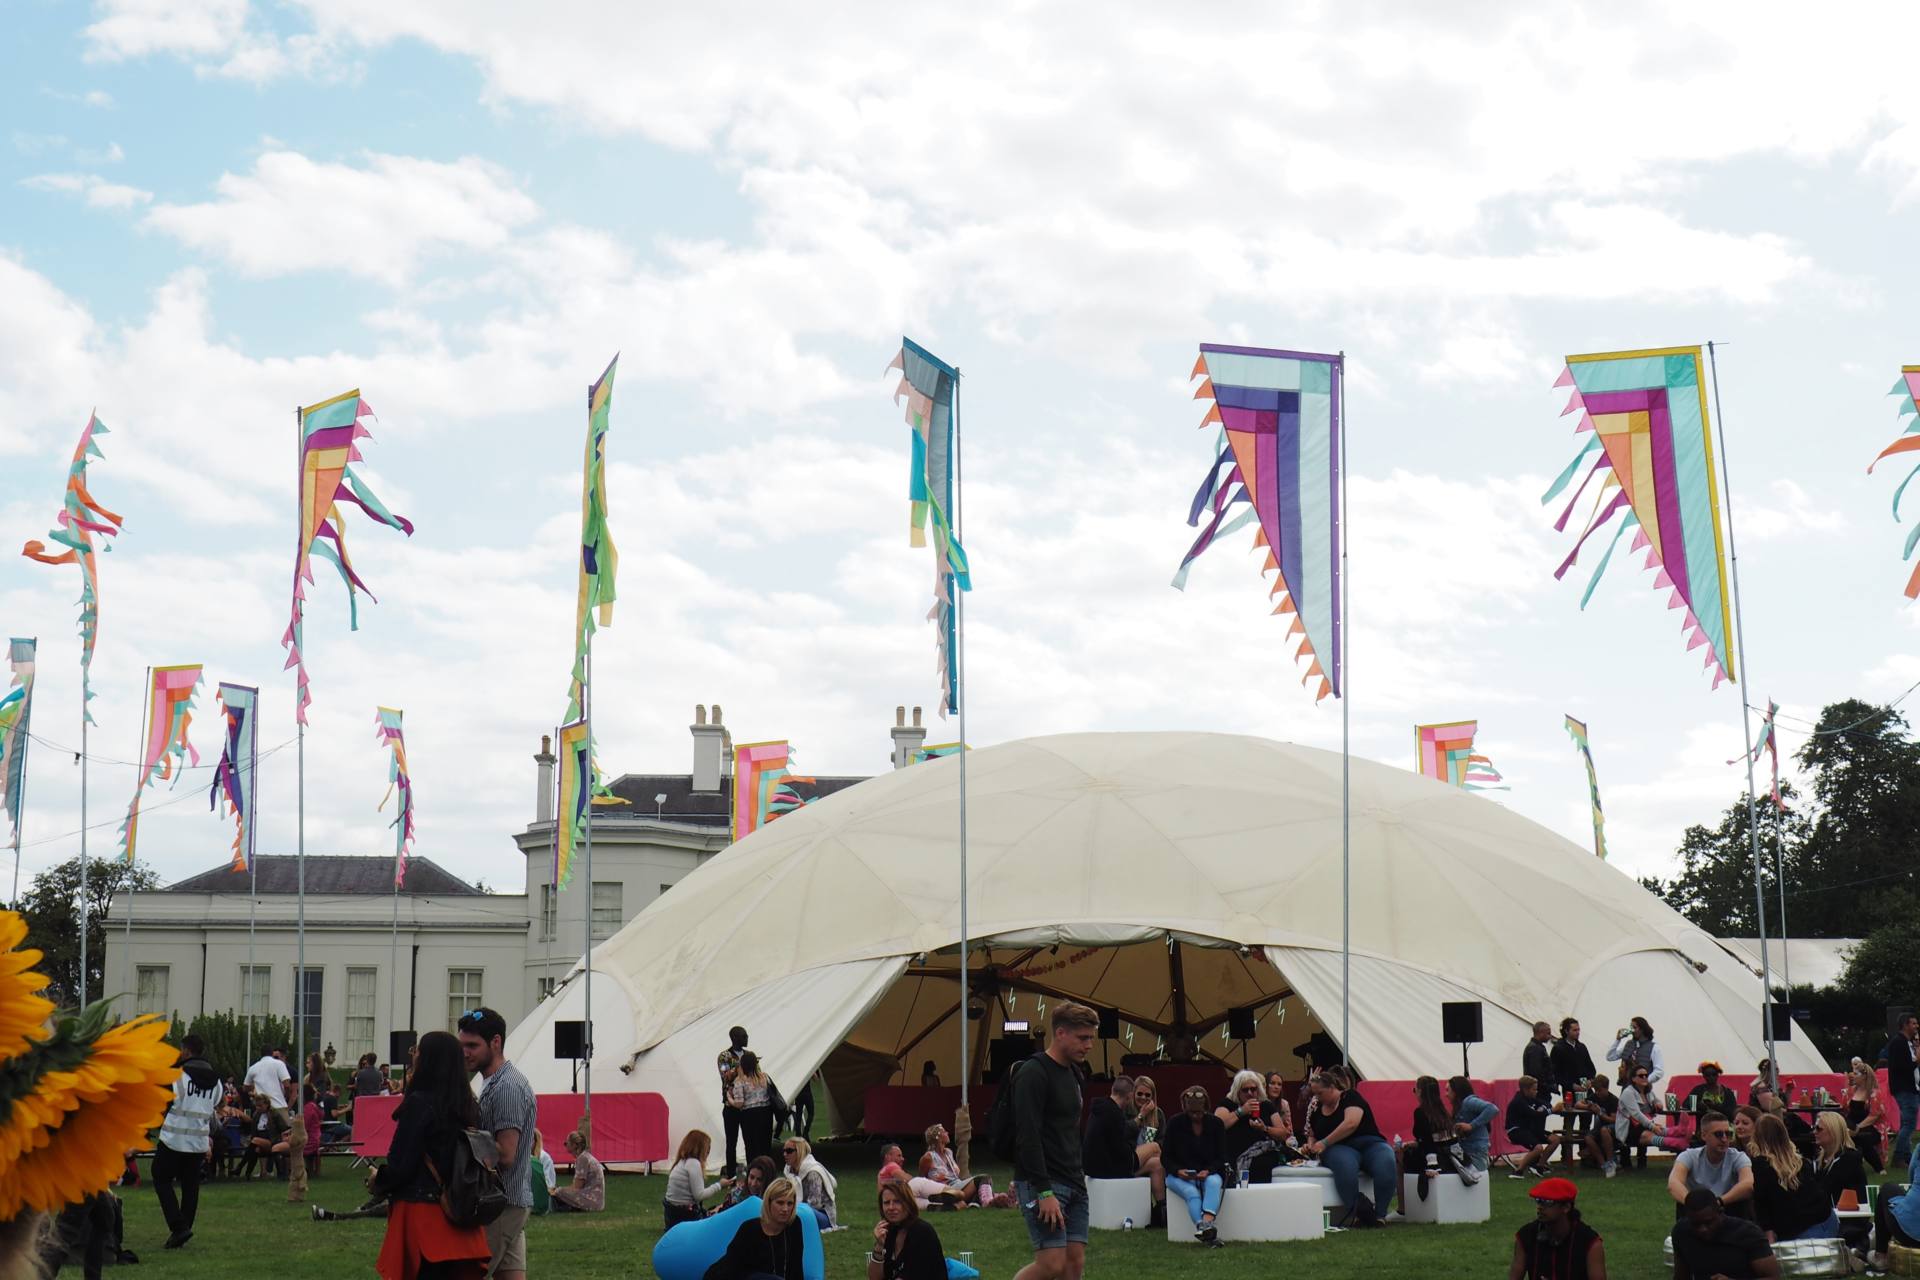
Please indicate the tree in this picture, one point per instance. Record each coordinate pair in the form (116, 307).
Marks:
(1866, 785)
(52, 910)
(1715, 886)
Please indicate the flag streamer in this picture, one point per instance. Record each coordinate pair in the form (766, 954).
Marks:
(933, 752)
(330, 433)
(1908, 389)
(16, 716)
(1577, 730)
(1444, 752)
(599, 560)
(1648, 412)
(1278, 414)
(169, 713)
(1767, 744)
(387, 729)
(763, 782)
(574, 757)
(79, 519)
(927, 384)
(234, 779)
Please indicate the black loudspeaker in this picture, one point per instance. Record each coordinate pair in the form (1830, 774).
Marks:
(1896, 1014)
(570, 1040)
(1460, 1021)
(1109, 1024)
(1007, 1050)
(1240, 1024)
(1782, 1016)
(399, 1045)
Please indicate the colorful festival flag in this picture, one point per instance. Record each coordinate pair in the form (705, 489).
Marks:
(329, 436)
(1577, 730)
(934, 752)
(1445, 753)
(1279, 415)
(16, 716)
(929, 385)
(79, 519)
(1647, 412)
(169, 713)
(574, 756)
(1769, 745)
(386, 722)
(599, 561)
(1908, 389)
(763, 785)
(234, 780)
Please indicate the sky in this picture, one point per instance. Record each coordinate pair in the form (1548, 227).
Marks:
(212, 212)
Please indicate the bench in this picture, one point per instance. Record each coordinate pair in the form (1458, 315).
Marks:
(1111, 1201)
(1448, 1199)
(1265, 1211)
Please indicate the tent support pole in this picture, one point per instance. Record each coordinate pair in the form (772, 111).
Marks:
(1746, 725)
(962, 1123)
(1346, 745)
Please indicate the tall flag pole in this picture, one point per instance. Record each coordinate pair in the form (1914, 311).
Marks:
(1577, 730)
(163, 744)
(931, 389)
(327, 437)
(1445, 753)
(1652, 435)
(235, 781)
(1908, 389)
(599, 568)
(16, 719)
(1282, 450)
(79, 519)
(1769, 745)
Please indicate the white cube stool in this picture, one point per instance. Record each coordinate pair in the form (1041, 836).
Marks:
(1312, 1176)
(1448, 1199)
(1271, 1211)
(1111, 1201)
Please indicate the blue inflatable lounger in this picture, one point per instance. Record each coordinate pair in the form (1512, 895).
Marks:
(689, 1248)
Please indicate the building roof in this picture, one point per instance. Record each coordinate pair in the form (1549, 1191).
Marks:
(696, 808)
(327, 873)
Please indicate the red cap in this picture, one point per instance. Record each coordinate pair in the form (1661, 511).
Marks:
(1556, 1189)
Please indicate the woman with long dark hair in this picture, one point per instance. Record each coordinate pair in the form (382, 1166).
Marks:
(420, 1243)
(1432, 1136)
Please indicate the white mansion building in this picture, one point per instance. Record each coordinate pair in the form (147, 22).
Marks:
(453, 946)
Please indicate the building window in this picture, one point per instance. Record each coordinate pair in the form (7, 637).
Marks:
(310, 986)
(256, 990)
(549, 913)
(150, 993)
(546, 986)
(463, 993)
(606, 909)
(360, 994)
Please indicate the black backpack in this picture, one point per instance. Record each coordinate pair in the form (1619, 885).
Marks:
(1002, 1138)
(474, 1196)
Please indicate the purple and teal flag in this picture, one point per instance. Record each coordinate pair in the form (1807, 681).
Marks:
(1278, 452)
(1768, 745)
(930, 386)
(234, 780)
(386, 723)
(1908, 389)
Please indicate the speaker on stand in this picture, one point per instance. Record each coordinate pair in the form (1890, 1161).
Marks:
(1460, 1024)
(570, 1040)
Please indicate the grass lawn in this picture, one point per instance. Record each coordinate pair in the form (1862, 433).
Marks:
(247, 1229)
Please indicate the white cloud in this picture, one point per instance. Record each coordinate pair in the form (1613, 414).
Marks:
(97, 191)
(109, 154)
(1791, 513)
(140, 28)
(379, 220)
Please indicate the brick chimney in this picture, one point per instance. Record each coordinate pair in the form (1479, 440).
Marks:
(543, 786)
(709, 749)
(906, 738)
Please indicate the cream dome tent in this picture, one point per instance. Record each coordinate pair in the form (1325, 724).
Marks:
(1170, 876)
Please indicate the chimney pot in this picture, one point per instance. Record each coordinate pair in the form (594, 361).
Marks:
(899, 716)
(916, 716)
(699, 713)
(709, 751)
(546, 744)
(716, 713)
(543, 781)
(906, 740)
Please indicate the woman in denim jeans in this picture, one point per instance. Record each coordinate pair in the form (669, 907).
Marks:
(1473, 1119)
(1346, 1138)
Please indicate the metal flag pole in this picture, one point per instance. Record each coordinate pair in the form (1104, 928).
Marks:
(1780, 884)
(247, 994)
(83, 828)
(1746, 727)
(20, 800)
(1346, 741)
(139, 785)
(960, 707)
(586, 716)
(296, 1186)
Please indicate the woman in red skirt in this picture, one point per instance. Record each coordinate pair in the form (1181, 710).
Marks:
(421, 1244)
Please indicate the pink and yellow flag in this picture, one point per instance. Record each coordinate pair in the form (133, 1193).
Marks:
(169, 713)
(762, 785)
(1444, 752)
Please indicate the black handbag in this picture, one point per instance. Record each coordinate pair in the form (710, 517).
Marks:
(779, 1103)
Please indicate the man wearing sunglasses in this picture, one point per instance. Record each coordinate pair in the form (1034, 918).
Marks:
(508, 1112)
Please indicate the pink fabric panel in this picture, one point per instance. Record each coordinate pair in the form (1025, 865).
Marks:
(628, 1128)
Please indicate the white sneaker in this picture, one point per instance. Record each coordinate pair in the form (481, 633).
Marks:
(1609, 1168)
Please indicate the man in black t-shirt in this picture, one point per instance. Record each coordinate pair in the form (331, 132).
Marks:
(1710, 1243)
(1557, 1244)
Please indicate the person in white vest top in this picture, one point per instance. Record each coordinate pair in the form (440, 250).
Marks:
(185, 1136)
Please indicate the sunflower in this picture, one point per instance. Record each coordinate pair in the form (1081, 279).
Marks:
(75, 1098)
(23, 1012)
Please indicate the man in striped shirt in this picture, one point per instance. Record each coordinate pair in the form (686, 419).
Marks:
(185, 1134)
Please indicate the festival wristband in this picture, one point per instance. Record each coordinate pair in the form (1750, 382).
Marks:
(1044, 1195)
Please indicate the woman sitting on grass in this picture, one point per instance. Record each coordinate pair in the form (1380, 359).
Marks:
(587, 1193)
(771, 1245)
(817, 1186)
(938, 1165)
(688, 1194)
(905, 1245)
